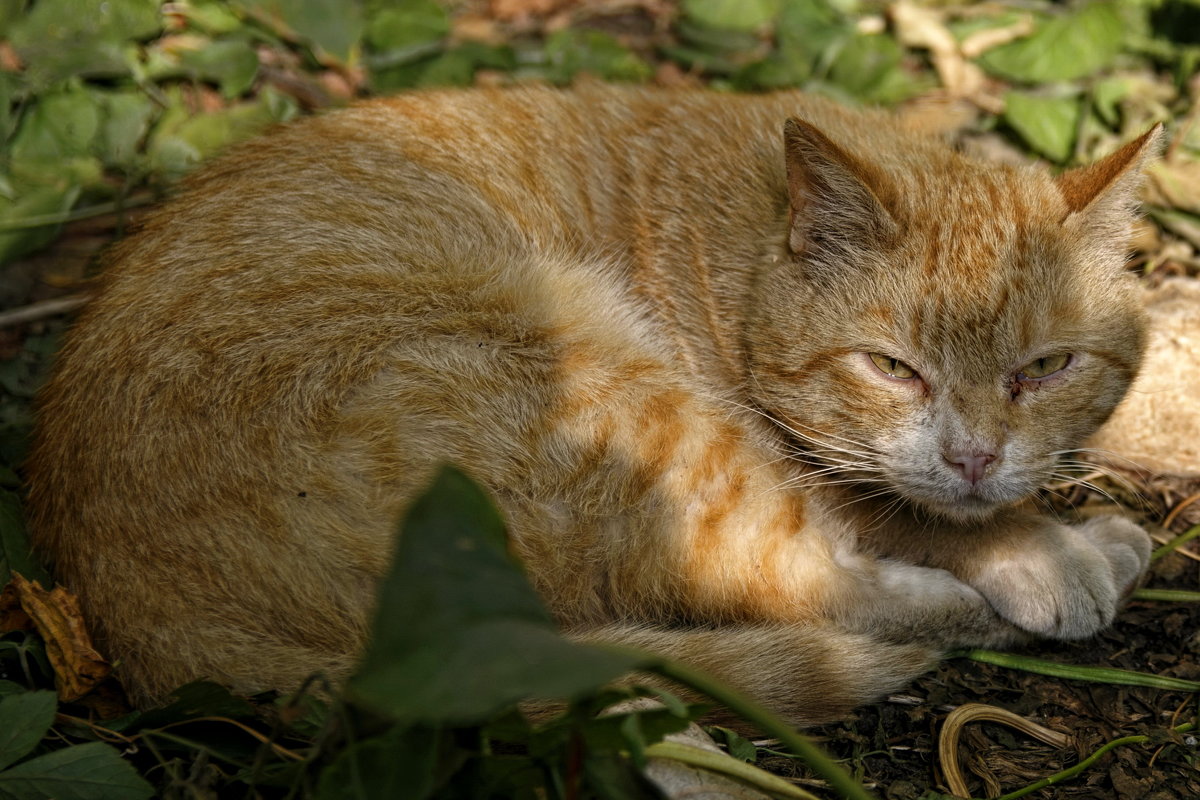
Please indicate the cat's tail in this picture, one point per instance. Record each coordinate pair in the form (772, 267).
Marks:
(809, 674)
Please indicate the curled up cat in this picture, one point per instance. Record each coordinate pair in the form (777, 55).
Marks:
(760, 383)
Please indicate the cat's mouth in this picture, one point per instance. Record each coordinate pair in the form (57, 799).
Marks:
(966, 503)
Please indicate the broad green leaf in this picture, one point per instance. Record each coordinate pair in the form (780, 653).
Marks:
(807, 32)
(399, 763)
(740, 748)
(8, 688)
(459, 633)
(408, 27)
(230, 63)
(571, 52)
(11, 89)
(197, 699)
(126, 121)
(211, 16)
(63, 38)
(609, 776)
(33, 202)
(181, 140)
(1064, 48)
(334, 25)
(1107, 95)
(93, 771)
(869, 68)
(60, 125)
(10, 12)
(455, 67)
(732, 15)
(1047, 124)
(16, 554)
(24, 720)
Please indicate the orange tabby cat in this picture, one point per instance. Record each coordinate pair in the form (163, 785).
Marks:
(757, 381)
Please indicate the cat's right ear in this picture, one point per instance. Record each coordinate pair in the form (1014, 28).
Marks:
(837, 202)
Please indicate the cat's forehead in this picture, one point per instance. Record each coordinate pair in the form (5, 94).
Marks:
(990, 268)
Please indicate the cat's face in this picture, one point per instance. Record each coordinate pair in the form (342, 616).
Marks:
(951, 353)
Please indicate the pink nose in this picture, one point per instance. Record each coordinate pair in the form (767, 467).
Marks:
(971, 465)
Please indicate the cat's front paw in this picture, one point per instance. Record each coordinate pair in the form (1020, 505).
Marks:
(1069, 582)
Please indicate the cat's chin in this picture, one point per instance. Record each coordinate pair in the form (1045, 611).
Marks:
(969, 508)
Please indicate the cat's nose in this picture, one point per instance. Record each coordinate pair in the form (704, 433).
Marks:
(971, 465)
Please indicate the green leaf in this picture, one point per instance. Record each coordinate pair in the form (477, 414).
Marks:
(63, 38)
(11, 11)
(181, 139)
(1047, 124)
(807, 33)
(740, 748)
(60, 125)
(459, 633)
(126, 122)
(869, 68)
(24, 720)
(230, 63)
(399, 763)
(334, 25)
(210, 16)
(84, 772)
(571, 52)
(10, 688)
(1107, 95)
(196, 699)
(732, 15)
(1066, 47)
(16, 554)
(407, 27)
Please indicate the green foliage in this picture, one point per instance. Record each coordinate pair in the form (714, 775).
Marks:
(1063, 48)
(334, 26)
(81, 772)
(1047, 123)
(732, 15)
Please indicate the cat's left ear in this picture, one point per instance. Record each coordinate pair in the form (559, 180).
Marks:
(1106, 191)
(837, 201)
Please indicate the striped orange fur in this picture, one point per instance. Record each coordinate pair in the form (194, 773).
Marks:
(650, 323)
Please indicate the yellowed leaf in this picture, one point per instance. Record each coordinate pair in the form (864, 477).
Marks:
(1176, 184)
(78, 667)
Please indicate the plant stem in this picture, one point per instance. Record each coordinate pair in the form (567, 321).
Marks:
(1169, 547)
(769, 723)
(1169, 595)
(1071, 772)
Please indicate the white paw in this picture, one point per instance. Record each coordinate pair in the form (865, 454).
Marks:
(1069, 582)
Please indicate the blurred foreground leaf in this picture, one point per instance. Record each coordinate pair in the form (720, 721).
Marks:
(459, 633)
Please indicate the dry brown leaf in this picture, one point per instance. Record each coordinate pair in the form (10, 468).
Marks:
(1175, 183)
(55, 614)
(12, 616)
(923, 27)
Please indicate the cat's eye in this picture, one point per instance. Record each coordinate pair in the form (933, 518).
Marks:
(892, 367)
(1045, 367)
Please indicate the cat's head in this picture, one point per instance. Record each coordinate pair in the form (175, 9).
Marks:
(943, 329)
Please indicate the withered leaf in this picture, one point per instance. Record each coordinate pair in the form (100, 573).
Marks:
(78, 667)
